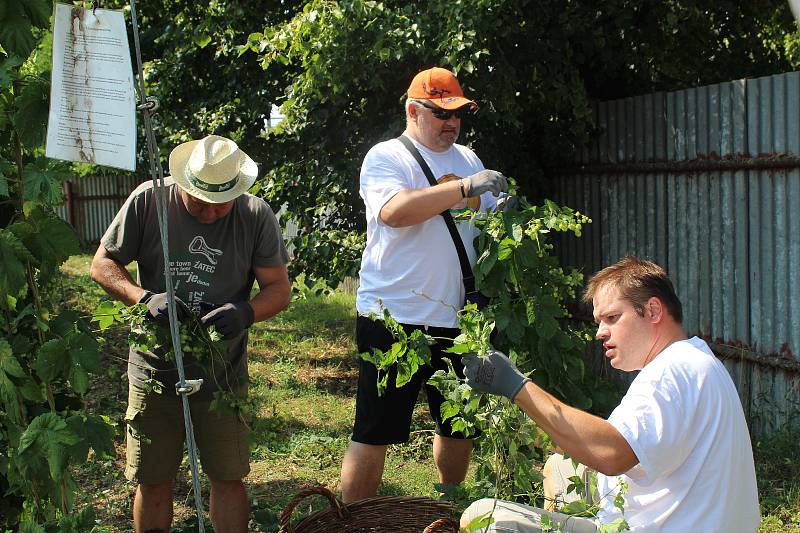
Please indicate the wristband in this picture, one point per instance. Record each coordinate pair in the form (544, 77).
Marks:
(146, 295)
(461, 186)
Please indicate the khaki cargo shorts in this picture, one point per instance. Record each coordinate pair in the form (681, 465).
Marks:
(155, 438)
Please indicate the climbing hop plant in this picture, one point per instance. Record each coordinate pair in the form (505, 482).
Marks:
(47, 351)
(527, 318)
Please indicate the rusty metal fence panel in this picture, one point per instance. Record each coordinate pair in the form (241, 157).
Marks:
(706, 182)
(91, 202)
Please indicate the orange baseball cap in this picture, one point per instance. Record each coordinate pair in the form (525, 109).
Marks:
(440, 87)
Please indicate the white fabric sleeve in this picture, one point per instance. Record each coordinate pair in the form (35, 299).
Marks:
(381, 179)
(653, 420)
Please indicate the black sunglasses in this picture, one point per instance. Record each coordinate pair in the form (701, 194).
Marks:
(445, 114)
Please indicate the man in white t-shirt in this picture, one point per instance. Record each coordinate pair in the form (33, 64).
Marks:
(410, 267)
(678, 439)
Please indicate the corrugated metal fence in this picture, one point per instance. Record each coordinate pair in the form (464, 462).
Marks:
(706, 182)
(90, 203)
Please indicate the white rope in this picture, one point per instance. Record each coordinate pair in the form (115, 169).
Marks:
(157, 175)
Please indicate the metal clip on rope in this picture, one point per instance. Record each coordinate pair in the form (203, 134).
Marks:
(150, 104)
(190, 386)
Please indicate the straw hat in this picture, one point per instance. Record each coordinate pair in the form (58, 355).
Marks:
(212, 169)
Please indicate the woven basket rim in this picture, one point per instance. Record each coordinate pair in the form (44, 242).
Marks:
(379, 513)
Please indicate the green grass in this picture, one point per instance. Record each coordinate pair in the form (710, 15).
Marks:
(778, 474)
(303, 367)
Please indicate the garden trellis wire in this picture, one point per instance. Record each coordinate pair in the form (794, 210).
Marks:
(183, 388)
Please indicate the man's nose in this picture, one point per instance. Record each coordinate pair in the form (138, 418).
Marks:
(602, 332)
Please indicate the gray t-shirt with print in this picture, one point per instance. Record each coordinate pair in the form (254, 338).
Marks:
(209, 263)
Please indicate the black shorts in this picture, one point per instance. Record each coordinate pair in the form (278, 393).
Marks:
(387, 419)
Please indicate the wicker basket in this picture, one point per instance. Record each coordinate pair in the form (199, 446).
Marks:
(385, 514)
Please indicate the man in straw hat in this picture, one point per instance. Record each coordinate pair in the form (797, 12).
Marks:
(410, 267)
(221, 239)
(678, 440)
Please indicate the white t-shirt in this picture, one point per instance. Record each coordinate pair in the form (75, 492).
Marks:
(413, 271)
(684, 421)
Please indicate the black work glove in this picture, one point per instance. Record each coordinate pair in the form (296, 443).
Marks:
(157, 307)
(495, 374)
(230, 319)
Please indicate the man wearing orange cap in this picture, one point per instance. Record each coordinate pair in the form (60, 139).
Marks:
(411, 267)
(221, 239)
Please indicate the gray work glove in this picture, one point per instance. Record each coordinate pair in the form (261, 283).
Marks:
(230, 319)
(495, 374)
(486, 180)
(157, 307)
(508, 203)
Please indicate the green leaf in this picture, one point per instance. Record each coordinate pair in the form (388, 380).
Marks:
(12, 269)
(546, 327)
(448, 410)
(16, 36)
(530, 311)
(83, 350)
(576, 507)
(66, 322)
(7, 73)
(31, 527)
(8, 363)
(485, 262)
(47, 438)
(482, 521)
(96, 432)
(31, 391)
(30, 120)
(79, 379)
(9, 391)
(38, 12)
(459, 348)
(78, 522)
(42, 181)
(507, 247)
(107, 312)
(51, 362)
(517, 232)
(202, 40)
(53, 240)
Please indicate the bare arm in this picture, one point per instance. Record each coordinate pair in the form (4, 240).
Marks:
(274, 294)
(588, 439)
(414, 206)
(114, 277)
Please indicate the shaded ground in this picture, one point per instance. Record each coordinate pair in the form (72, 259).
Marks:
(303, 368)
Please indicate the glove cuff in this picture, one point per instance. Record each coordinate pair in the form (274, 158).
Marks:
(248, 313)
(518, 388)
(145, 297)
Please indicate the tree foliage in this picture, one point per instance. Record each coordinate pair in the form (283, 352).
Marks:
(340, 70)
(533, 66)
(47, 352)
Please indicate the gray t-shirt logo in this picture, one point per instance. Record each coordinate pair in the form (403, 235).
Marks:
(199, 246)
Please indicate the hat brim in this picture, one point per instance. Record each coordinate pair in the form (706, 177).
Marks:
(452, 102)
(179, 158)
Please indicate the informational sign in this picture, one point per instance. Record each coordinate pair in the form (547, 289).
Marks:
(92, 101)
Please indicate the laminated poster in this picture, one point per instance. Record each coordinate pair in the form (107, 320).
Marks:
(92, 101)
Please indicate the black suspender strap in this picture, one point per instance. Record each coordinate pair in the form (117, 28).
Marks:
(466, 269)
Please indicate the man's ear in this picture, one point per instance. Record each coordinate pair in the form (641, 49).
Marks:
(655, 309)
(411, 111)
